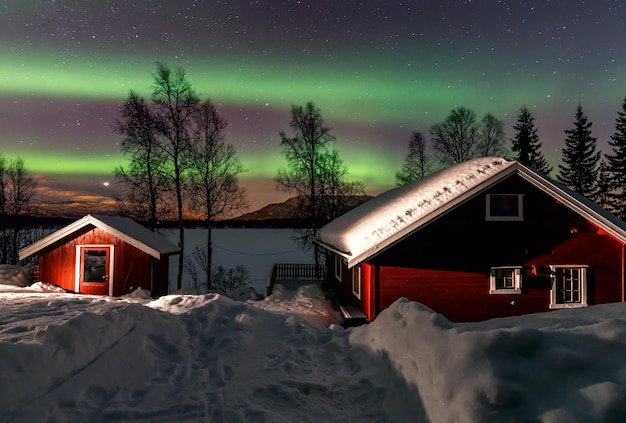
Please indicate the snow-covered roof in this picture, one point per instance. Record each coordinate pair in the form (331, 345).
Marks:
(123, 228)
(372, 227)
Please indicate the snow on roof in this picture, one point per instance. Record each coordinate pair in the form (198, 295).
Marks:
(123, 228)
(380, 222)
(387, 217)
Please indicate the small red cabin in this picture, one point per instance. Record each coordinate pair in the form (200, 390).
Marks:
(483, 239)
(104, 255)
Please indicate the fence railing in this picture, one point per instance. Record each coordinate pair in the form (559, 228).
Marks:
(294, 272)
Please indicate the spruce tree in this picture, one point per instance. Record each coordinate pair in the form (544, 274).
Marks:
(580, 169)
(602, 196)
(526, 143)
(617, 164)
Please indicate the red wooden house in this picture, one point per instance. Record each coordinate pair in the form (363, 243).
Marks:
(484, 239)
(104, 255)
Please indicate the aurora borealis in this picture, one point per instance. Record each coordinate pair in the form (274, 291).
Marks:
(377, 70)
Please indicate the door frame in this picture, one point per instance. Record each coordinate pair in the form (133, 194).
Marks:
(79, 255)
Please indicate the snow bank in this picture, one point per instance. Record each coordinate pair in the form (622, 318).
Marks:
(15, 275)
(192, 358)
(564, 366)
(184, 358)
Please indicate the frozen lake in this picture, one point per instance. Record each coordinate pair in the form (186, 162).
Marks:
(258, 249)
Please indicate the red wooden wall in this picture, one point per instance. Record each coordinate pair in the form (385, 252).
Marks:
(132, 266)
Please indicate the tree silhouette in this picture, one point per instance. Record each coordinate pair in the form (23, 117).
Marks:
(580, 168)
(455, 139)
(337, 191)
(144, 192)
(602, 195)
(416, 164)
(175, 103)
(526, 143)
(460, 138)
(616, 164)
(214, 174)
(17, 199)
(491, 136)
(314, 172)
(177, 151)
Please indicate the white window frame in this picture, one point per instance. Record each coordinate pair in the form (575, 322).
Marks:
(583, 269)
(338, 267)
(520, 209)
(517, 280)
(356, 282)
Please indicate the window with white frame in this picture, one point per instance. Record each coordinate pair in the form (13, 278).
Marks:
(569, 286)
(504, 207)
(338, 266)
(356, 282)
(505, 280)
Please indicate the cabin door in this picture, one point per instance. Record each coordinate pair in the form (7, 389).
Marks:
(94, 269)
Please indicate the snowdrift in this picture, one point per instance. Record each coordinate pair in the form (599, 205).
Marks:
(208, 358)
(564, 366)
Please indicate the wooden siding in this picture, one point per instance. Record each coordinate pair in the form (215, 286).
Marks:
(342, 290)
(446, 264)
(132, 267)
(368, 293)
(461, 296)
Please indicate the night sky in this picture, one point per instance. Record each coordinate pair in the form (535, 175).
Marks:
(377, 70)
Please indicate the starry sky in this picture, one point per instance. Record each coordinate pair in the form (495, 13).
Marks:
(378, 70)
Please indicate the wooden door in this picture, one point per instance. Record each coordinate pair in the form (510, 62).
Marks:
(94, 273)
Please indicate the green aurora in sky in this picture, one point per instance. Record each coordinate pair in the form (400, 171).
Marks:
(376, 75)
(342, 96)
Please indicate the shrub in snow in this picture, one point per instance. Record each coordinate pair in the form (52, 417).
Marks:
(230, 282)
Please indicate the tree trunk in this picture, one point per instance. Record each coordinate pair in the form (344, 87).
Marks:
(209, 255)
(181, 232)
(4, 241)
(316, 254)
(153, 208)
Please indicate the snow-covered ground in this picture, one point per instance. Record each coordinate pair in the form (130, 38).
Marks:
(76, 358)
(203, 358)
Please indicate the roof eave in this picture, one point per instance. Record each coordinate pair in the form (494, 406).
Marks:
(345, 254)
(433, 216)
(533, 177)
(94, 221)
(54, 237)
(572, 203)
(127, 239)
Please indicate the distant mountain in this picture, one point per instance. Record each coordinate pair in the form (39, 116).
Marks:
(285, 210)
(290, 210)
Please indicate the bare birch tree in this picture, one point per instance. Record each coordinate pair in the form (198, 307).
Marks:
(314, 172)
(17, 201)
(491, 136)
(214, 174)
(416, 164)
(175, 103)
(455, 140)
(144, 185)
(177, 155)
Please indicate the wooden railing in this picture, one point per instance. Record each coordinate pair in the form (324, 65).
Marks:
(294, 272)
